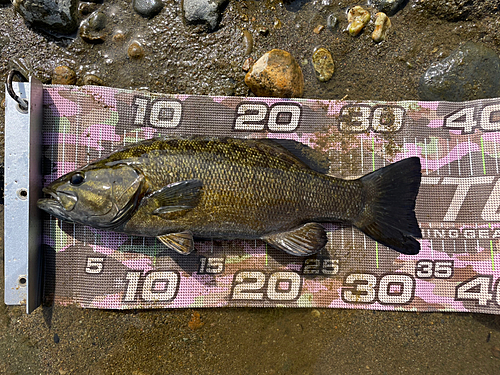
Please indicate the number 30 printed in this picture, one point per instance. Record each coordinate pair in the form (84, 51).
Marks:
(391, 289)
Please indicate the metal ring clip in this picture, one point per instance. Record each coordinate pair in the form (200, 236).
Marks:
(23, 103)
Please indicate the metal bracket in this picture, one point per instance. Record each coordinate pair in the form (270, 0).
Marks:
(23, 183)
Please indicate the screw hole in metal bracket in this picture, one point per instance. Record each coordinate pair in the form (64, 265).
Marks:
(22, 280)
(22, 103)
(22, 193)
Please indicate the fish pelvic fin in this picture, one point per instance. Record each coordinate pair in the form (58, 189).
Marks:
(181, 242)
(389, 213)
(302, 241)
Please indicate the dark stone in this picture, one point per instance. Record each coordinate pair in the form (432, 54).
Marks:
(148, 8)
(471, 72)
(92, 28)
(205, 12)
(54, 16)
(331, 21)
(97, 21)
(389, 7)
(56, 338)
(457, 9)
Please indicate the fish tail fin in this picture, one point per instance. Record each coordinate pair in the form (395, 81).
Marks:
(389, 213)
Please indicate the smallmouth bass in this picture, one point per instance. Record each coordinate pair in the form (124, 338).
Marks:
(227, 188)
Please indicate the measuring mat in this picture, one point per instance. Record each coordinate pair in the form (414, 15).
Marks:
(457, 269)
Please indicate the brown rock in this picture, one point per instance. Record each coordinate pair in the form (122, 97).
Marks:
(91, 79)
(118, 37)
(63, 75)
(357, 18)
(276, 74)
(318, 29)
(247, 64)
(382, 25)
(195, 322)
(135, 50)
(323, 64)
(495, 351)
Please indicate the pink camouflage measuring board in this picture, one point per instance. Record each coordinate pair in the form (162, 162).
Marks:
(457, 269)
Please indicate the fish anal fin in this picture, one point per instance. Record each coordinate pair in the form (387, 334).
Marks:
(181, 242)
(305, 240)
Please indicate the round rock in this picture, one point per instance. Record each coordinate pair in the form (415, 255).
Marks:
(471, 72)
(135, 50)
(92, 28)
(63, 75)
(148, 8)
(323, 64)
(276, 74)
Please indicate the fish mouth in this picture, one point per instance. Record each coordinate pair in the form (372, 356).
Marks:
(53, 205)
(53, 194)
(66, 199)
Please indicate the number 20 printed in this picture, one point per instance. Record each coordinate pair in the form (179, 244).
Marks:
(256, 285)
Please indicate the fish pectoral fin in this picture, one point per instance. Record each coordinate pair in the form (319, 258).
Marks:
(302, 241)
(170, 209)
(181, 242)
(183, 195)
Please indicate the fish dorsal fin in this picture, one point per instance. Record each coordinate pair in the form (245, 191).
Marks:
(302, 241)
(183, 195)
(314, 159)
(181, 242)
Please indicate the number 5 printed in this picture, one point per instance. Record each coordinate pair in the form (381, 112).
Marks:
(94, 265)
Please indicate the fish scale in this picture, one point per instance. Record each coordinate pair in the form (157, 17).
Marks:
(266, 196)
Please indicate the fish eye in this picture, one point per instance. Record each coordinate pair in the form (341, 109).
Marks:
(77, 179)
